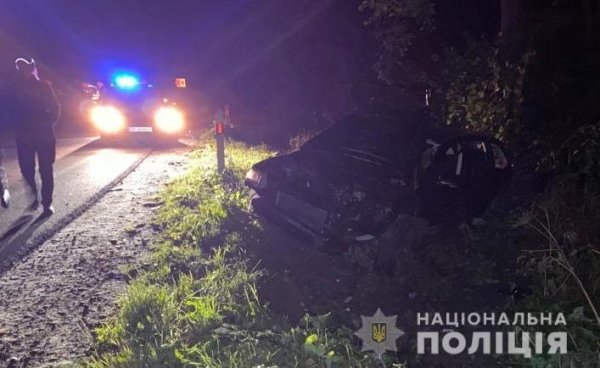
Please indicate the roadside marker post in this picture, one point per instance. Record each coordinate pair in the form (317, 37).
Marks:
(220, 127)
(221, 119)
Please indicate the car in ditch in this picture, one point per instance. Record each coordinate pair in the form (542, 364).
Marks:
(356, 178)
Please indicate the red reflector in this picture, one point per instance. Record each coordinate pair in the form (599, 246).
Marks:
(219, 128)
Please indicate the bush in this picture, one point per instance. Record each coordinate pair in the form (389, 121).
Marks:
(483, 91)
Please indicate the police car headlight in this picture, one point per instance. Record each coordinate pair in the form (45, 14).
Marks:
(169, 119)
(107, 118)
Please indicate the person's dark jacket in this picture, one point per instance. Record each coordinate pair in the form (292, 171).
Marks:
(33, 110)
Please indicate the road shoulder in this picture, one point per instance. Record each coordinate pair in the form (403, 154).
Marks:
(53, 298)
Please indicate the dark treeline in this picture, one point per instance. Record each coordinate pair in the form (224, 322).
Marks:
(529, 76)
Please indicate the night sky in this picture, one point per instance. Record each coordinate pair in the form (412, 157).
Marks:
(267, 54)
(273, 60)
(212, 37)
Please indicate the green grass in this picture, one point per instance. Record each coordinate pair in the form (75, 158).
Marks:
(197, 304)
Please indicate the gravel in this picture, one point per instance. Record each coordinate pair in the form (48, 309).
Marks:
(51, 300)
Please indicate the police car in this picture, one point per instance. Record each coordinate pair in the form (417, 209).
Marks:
(131, 106)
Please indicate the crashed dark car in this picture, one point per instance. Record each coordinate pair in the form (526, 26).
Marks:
(355, 178)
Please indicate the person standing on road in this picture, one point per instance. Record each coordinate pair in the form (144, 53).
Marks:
(34, 113)
(4, 193)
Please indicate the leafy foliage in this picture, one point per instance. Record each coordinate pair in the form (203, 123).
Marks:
(483, 93)
(397, 24)
(535, 88)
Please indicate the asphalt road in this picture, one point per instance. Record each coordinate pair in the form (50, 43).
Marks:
(85, 170)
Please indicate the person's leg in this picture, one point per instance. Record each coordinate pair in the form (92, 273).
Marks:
(26, 157)
(46, 156)
(4, 193)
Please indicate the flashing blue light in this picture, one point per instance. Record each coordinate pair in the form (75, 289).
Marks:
(126, 81)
